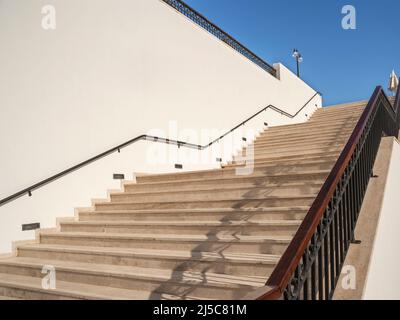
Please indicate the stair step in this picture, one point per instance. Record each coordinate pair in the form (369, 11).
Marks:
(333, 118)
(293, 161)
(224, 202)
(210, 184)
(336, 112)
(258, 171)
(272, 227)
(259, 143)
(225, 173)
(249, 244)
(326, 122)
(343, 108)
(311, 129)
(307, 132)
(297, 149)
(254, 214)
(30, 288)
(298, 156)
(229, 263)
(303, 136)
(216, 194)
(3, 298)
(135, 278)
(267, 154)
(277, 139)
(328, 157)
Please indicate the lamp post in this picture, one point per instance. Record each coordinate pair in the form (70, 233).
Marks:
(299, 59)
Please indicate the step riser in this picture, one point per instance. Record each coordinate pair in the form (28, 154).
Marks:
(277, 179)
(305, 137)
(223, 267)
(228, 177)
(25, 294)
(271, 247)
(217, 195)
(255, 217)
(332, 158)
(323, 118)
(250, 230)
(292, 153)
(327, 138)
(297, 149)
(298, 157)
(338, 111)
(237, 203)
(293, 161)
(327, 124)
(283, 135)
(266, 143)
(309, 129)
(170, 287)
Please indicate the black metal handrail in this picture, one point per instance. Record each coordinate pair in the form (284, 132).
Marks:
(203, 22)
(28, 191)
(311, 265)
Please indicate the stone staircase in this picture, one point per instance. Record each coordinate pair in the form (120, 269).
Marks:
(192, 235)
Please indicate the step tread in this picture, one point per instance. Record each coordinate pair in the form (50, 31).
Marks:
(185, 255)
(227, 199)
(222, 187)
(184, 277)
(4, 298)
(187, 223)
(201, 210)
(80, 290)
(220, 179)
(170, 237)
(218, 171)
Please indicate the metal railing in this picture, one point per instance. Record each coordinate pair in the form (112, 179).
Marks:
(203, 22)
(311, 265)
(179, 144)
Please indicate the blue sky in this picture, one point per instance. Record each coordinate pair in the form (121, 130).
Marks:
(345, 65)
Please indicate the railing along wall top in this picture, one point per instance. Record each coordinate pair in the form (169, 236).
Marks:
(203, 22)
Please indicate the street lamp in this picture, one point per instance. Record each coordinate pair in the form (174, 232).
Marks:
(299, 59)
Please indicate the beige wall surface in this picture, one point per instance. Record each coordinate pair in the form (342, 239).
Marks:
(382, 281)
(112, 70)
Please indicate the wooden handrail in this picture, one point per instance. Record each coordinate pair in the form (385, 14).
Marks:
(289, 261)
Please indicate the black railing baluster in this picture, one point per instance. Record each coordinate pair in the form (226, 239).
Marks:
(314, 246)
(326, 263)
(341, 229)
(320, 265)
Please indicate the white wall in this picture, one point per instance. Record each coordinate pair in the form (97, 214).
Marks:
(110, 71)
(382, 278)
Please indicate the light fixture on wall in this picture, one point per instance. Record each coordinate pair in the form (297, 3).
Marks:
(297, 55)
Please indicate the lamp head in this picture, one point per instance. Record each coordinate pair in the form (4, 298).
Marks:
(297, 55)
